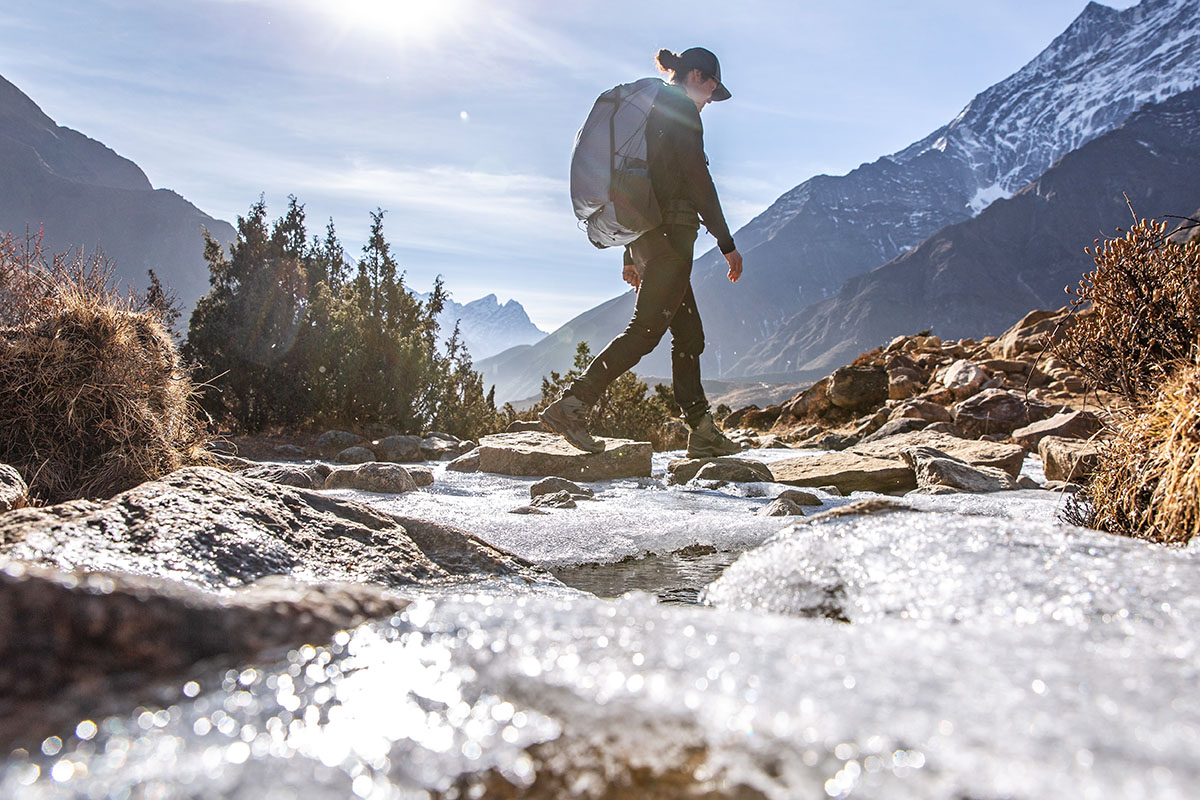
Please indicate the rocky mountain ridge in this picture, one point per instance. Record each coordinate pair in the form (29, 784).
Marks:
(487, 326)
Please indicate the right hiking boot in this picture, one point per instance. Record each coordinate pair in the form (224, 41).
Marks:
(707, 441)
(567, 416)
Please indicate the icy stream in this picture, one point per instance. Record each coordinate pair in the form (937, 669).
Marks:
(986, 651)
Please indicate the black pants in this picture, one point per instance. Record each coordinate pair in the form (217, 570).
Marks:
(664, 302)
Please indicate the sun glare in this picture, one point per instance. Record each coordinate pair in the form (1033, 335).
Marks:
(398, 20)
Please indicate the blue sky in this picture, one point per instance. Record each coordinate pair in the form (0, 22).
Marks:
(457, 116)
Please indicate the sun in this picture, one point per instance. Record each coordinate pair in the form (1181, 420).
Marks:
(398, 20)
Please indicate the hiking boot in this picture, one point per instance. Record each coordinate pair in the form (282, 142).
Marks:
(707, 441)
(568, 416)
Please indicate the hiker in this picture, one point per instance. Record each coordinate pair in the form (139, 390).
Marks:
(658, 264)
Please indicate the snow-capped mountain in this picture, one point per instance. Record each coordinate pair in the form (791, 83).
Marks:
(487, 326)
(1105, 66)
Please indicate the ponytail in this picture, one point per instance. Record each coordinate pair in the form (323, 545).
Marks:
(669, 62)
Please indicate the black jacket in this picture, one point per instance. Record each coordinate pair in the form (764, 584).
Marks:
(679, 169)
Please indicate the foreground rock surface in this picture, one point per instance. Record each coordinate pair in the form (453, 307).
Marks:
(209, 528)
(534, 453)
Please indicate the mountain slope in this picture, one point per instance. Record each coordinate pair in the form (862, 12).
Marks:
(1105, 66)
(84, 195)
(487, 326)
(979, 276)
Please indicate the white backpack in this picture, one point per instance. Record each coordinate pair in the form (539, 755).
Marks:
(610, 176)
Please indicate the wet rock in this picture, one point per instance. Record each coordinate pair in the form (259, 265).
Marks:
(964, 378)
(528, 510)
(1070, 425)
(902, 425)
(330, 443)
(920, 409)
(734, 470)
(60, 630)
(556, 484)
(682, 470)
(211, 528)
(374, 476)
(1007, 457)
(559, 499)
(301, 477)
(467, 462)
(932, 467)
(13, 491)
(780, 507)
(398, 449)
(997, 411)
(355, 455)
(799, 498)
(422, 476)
(1068, 459)
(858, 388)
(537, 454)
(849, 472)
(291, 451)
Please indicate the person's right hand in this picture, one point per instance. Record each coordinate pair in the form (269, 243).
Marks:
(735, 265)
(630, 274)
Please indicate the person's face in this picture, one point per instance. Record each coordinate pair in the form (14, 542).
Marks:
(699, 89)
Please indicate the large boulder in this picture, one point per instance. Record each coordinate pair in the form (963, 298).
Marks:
(1071, 460)
(1007, 457)
(682, 470)
(932, 467)
(533, 453)
(849, 472)
(13, 491)
(963, 378)
(858, 388)
(374, 476)
(330, 443)
(997, 411)
(398, 449)
(1069, 425)
(214, 529)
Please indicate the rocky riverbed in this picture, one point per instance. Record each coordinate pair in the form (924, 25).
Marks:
(930, 645)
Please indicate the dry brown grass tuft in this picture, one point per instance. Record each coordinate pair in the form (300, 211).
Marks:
(1148, 482)
(93, 398)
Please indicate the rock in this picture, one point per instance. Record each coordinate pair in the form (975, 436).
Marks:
(902, 384)
(533, 453)
(302, 477)
(523, 425)
(1026, 482)
(833, 491)
(932, 467)
(761, 420)
(963, 378)
(849, 472)
(1069, 425)
(734, 418)
(921, 409)
(734, 470)
(291, 451)
(422, 476)
(14, 493)
(934, 489)
(902, 425)
(780, 507)
(398, 449)
(858, 388)
(436, 447)
(528, 510)
(374, 476)
(1007, 457)
(1068, 459)
(1030, 335)
(799, 498)
(355, 455)
(215, 529)
(682, 470)
(1062, 486)
(330, 443)
(1009, 366)
(560, 499)
(231, 463)
(467, 462)
(555, 484)
(996, 411)
(947, 428)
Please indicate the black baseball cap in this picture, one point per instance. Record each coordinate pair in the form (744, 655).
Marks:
(706, 62)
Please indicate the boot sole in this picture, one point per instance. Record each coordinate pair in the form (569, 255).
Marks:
(565, 430)
(712, 453)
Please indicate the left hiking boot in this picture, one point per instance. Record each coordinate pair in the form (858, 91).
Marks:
(707, 441)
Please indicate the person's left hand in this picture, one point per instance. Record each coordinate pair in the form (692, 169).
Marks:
(631, 276)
